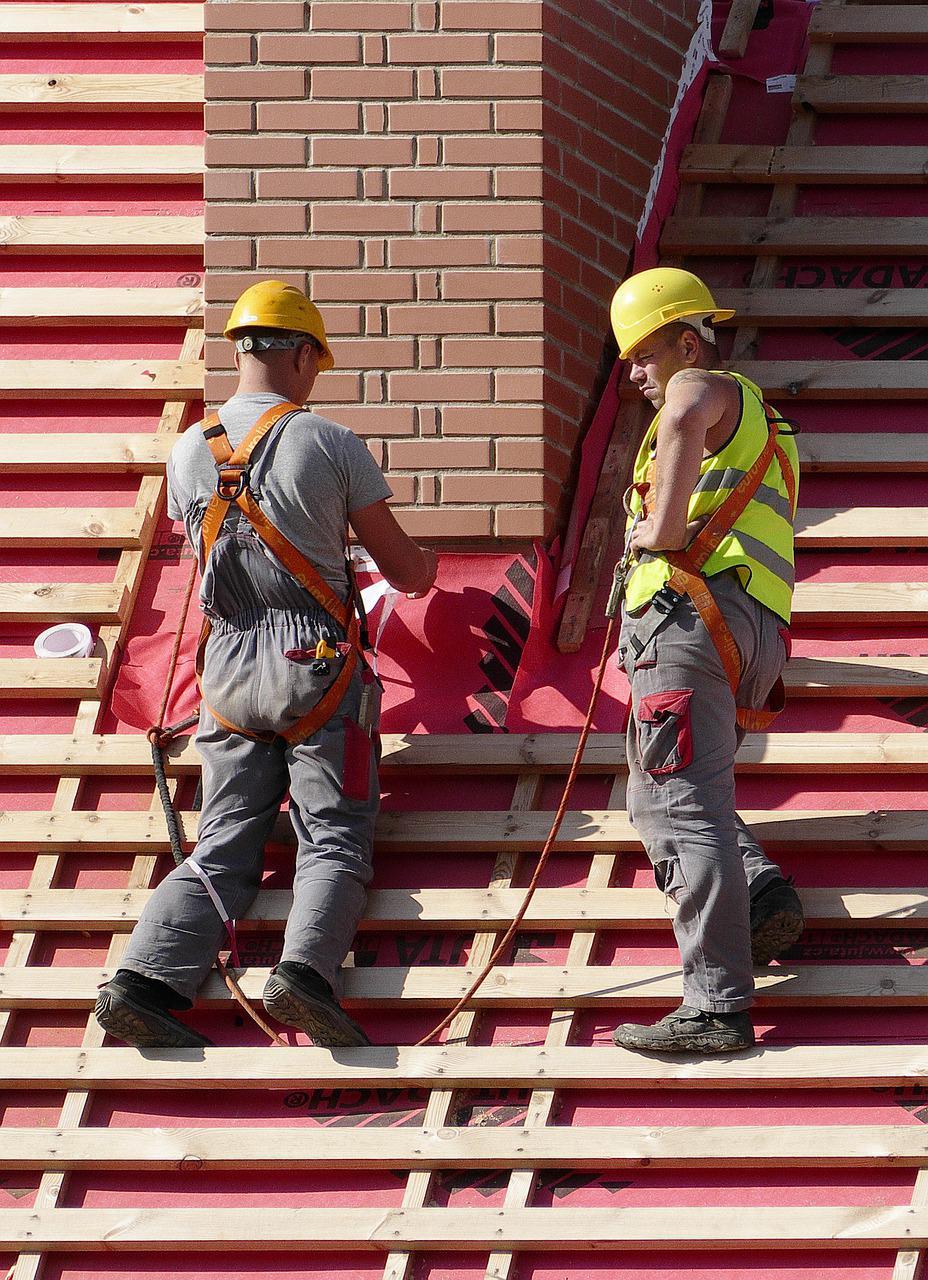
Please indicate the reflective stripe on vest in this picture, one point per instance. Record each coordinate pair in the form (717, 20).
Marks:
(760, 546)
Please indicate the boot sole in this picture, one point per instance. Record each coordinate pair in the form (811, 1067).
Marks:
(326, 1025)
(683, 1044)
(774, 936)
(144, 1028)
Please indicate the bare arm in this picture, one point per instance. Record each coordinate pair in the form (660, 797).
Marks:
(694, 403)
(403, 563)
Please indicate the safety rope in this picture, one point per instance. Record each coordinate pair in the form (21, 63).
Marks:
(546, 849)
(160, 735)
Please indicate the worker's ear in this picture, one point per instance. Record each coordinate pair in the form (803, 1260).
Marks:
(236, 356)
(690, 347)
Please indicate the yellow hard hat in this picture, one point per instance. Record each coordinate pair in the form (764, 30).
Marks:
(274, 305)
(648, 300)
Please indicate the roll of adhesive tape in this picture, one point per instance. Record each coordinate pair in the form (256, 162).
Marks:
(65, 640)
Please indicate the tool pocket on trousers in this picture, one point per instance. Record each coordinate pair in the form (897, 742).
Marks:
(669, 878)
(356, 764)
(665, 738)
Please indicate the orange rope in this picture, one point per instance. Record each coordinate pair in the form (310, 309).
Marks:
(548, 845)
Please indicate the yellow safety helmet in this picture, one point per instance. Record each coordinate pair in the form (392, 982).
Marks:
(275, 305)
(648, 300)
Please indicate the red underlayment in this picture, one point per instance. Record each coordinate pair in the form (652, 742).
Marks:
(478, 656)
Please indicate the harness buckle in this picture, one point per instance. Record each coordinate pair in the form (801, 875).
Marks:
(665, 600)
(231, 482)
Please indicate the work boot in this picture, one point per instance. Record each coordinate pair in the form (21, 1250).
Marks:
(300, 997)
(689, 1030)
(134, 1009)
(776, 921)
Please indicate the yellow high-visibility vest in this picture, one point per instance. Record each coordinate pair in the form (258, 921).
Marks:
(760, 546)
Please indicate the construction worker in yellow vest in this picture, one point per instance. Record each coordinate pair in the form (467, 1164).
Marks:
(703, 641)
(266, 491)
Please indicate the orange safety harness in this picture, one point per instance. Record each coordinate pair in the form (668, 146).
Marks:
(233, 468)
(687, 578)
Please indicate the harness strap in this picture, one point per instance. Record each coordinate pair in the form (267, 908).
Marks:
(232, 486)
(688, 580)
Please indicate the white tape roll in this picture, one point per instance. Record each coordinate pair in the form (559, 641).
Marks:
(64, 640)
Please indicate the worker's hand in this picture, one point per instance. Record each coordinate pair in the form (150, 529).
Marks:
(431, 570)
(647, 537)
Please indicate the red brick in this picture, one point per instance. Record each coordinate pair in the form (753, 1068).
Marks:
(375, 184)
(404, 489)
(336, 387)
(491, 82)
(364, 285)
(227, 253)
(494, 216)
(228, 184)
(509, 48)
(450, 523)
(426, 251)
(309, 252)
(426, 15)
(519, 184)
(487, 15)
(226, 288)
(440, 387)
(438, 117)
(228, 117)
(358, 83)
(492, 352)
(439, 453)
(519, 386)
(493, 420)
(250, 83)
(310, 117)
(524, 522)
(375, 50)
(426, 83)
(519, 318)
(266, 151)
(514, 486)
(438, 319)
(492, 284)
(340, 319)
(376, 419)
(521, 455)
(362, 219)
(356, 15)
(255, 15)
(218, 387)
(308, 50)
(493, 150)
(427, 150)
(429, 184)
(517, 117)
(226, 50)
(520, 251)
(375, 116)
(307, 184)
(376, 353)
(361, 151)
(436, 50)
(254, 218)
(219, 353)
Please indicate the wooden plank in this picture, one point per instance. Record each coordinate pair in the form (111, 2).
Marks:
(544, 1230)
(96, 379)
(864, 451)
(60, 601)
(523, 986)
(52, 677)
(90, 306)
(107, 453)
(70, 162)
(459, 1066)
(839, 380)
(861, 526)
(870, 24)
(873, 94)
(53, 233)
(856, 677)
(90, 22)
(583, 832)
(470, 909)
(556, 1147)
(738, 27)
(792, 235)
(69, 527)
(73, 91)
(839, 603)
(742, 162)
(805, 752)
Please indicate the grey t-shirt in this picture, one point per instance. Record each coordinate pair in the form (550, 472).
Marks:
(308, 475)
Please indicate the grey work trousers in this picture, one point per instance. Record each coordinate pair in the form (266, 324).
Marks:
(244, 783)
(682, 739)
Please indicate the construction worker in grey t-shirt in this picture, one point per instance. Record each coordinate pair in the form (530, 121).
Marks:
(266, 490)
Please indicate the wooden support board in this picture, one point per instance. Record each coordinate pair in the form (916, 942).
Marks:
(875, 95)
(70, 526)
(58, 601)
(91, 306)
(811, 308)
(109, 453)
(76, 162)
(717, 162)
(835, 380)
(869, 24)
(72, 91)
(90, 22)
(96, 379)
(794, 235)
(53, 233)
(52, 677)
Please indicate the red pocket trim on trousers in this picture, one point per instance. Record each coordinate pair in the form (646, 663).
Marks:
(655, 708)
